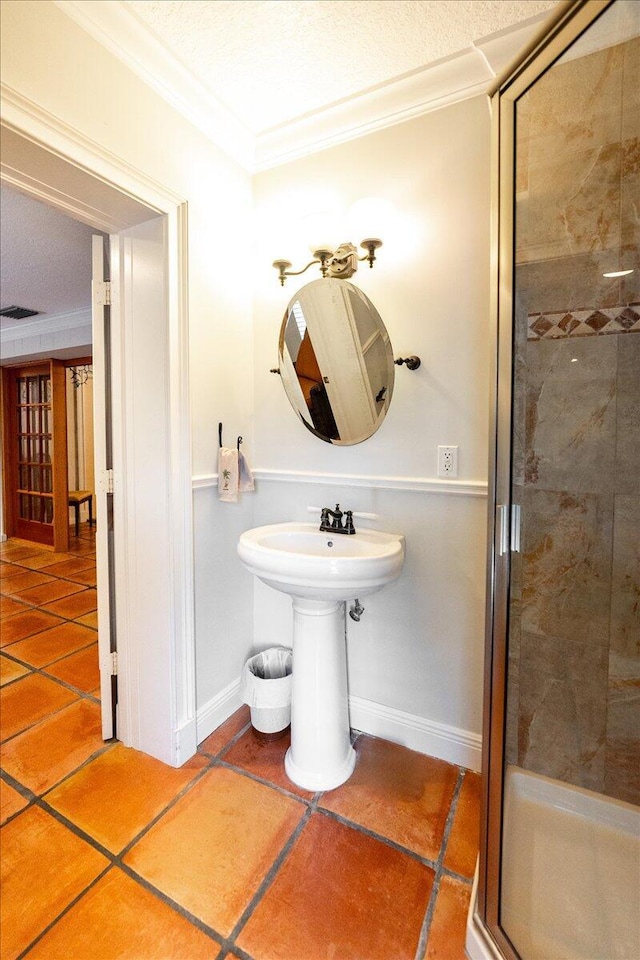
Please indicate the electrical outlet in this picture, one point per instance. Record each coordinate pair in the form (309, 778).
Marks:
(447, 461)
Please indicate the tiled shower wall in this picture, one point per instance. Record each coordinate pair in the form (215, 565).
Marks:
(574, 665)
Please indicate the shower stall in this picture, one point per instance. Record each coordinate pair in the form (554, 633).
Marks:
(559, 873)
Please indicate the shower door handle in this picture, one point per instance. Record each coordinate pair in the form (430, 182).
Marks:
(515, 528)
(508, 529)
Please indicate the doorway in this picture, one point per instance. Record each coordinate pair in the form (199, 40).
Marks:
(151, 477)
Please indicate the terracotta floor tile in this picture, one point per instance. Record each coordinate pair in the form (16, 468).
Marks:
(464, 839)
(342, 894)
(47, 752)
(120, 919)
(10, 607)
(88, 577)
(28, 700)
(211, 851)
(43, 559)
(448, 925)
(398, 793)
(12, 551)
(8, 570)
(10, 801)
(26, 624)
(265, 759)
(118, 794)
(10, 670)
(89, 620)
(220, 737)
(49, 592)
(67, 568)
(74, 606)
(44, 866)
(81, 669)
(28, 578)
(53, 644)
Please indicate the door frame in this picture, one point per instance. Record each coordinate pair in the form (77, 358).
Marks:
(162, 726)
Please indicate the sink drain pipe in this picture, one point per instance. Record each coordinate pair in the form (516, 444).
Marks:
(356, 611)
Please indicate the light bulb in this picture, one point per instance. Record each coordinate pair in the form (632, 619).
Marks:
(370, 218)
(320, 231)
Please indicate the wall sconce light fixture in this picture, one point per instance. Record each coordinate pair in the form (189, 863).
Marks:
(341, 262)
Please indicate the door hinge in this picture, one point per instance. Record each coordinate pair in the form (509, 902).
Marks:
(105, 481)
(114, 663)
(102, 292)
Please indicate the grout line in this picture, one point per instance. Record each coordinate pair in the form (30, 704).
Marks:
(174, 800)
(377, 836)
(65, 910)
(426, 924)
(167, 900)
(227, 745)
(67, 686)
(270, 876)
(218, 761)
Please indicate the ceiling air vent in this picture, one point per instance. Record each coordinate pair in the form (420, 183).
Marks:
(18, 313)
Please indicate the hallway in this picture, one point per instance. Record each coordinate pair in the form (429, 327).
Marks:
(110, 853)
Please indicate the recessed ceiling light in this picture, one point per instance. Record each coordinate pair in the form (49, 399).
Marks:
(618, 273)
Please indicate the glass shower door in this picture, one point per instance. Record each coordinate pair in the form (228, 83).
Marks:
(560, 850)
(570, 869)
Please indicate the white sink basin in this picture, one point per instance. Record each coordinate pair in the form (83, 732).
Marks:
(298, 559)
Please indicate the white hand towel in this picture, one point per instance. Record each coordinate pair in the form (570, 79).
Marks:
(227, 474)
(245, 475)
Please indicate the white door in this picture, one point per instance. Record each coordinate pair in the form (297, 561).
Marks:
(103, 453)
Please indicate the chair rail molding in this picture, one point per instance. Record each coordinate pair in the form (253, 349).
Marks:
(464, 488)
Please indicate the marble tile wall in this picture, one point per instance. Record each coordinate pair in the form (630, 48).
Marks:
(573, 704)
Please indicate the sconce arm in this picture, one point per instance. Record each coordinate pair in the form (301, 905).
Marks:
(320, 256)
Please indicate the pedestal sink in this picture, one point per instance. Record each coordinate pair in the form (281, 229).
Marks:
(320, 571)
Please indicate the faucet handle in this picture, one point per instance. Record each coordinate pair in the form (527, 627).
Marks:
(348, 524)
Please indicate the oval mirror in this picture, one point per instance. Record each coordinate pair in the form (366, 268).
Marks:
(336, 361)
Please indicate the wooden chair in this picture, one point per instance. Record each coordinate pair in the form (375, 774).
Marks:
(76, 499)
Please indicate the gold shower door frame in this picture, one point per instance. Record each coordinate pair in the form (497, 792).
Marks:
(572, 20)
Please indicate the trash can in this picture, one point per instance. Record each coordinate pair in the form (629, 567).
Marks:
(266, 688)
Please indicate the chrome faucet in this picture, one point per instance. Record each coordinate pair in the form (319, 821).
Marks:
(334, 525)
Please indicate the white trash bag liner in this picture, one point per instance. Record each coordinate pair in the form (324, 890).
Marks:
(266, 688)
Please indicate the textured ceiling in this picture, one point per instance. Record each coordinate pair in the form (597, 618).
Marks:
(46, 258)
(271, 61)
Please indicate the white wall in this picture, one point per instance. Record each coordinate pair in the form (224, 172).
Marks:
(72, 77)
(417, 653)
(419, 647)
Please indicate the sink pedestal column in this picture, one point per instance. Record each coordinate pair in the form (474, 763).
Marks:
(320, 756)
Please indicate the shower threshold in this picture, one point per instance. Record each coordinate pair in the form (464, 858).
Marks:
(571, 871)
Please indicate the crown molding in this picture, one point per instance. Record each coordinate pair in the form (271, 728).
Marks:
(38, 327)
(117, 29)
(463, 75)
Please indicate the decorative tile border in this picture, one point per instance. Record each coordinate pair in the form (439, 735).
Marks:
(584, 323)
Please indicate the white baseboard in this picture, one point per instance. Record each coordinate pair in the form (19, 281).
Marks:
(217, 710)
(426, 736)
(3, 537)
